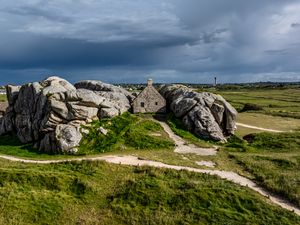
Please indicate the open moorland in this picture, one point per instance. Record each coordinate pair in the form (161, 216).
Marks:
(272, 158)
(100, 193)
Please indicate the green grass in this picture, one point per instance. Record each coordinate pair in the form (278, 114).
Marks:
(273, 160)
(279, 173)
(10, 145)
(100, 193)
(125, 132)
(3, 98)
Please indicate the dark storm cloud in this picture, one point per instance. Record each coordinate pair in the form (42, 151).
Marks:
(170, 40)
(66, 53)
(295, 25)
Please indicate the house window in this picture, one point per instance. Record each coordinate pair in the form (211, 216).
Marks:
(156, 103)
(142, 104)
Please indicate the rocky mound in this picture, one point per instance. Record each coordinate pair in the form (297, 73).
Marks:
(3, 107)
(49, 113)
(205, 114)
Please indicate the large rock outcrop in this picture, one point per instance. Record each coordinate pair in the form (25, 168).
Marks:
(205, 114)
(49, 113)
(120, 99)
(3, 107)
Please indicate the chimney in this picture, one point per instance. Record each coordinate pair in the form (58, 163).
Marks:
(150, 82)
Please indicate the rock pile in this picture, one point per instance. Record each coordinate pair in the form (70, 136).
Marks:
(205, 114)
(49, 113)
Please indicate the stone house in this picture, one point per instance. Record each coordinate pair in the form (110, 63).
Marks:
(149, 101)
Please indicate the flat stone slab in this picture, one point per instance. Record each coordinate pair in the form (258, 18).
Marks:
(206, 163)
(192, 149)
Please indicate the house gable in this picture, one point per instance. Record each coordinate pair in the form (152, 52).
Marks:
(149, 100)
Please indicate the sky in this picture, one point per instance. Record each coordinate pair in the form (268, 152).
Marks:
(128, 41)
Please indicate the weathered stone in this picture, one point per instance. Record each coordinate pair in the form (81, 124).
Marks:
(182, 106)
(80, 112)
(115, 100)
(102, 130)
(84, 131)
(12, 93)
(60, 108)
(49, 113)
(108, 113)
(205, 114)
(3, 108)
(205, 123)
(102, 87)
(55, 84)
(218, 112)
(68, 138)
(84, 97)
(78, 123)
(47, 143)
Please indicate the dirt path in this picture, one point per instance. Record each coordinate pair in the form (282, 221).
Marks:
(182, 147)
(135, 161)
(258, 128)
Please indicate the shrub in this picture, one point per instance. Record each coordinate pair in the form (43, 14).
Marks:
(251, 107)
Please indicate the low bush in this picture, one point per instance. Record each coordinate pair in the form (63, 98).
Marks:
(251, 107)
(285, 142)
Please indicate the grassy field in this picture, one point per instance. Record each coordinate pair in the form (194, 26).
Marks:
(3, 98)
(277, 102)
(273, 160)
(100, 193)
(265, 121)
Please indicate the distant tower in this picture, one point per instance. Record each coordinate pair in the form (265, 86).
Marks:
(215, 84)
(150, 82)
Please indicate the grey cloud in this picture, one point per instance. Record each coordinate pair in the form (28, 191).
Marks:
(277, 52)
(37, 13)
(295, 25)
(167, 39)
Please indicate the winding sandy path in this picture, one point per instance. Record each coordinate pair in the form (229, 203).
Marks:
(182, 147)
(258, 128)
(135, 161)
